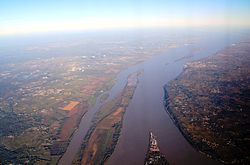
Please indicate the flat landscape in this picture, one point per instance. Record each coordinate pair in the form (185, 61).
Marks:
(47, 94)
(128, 82)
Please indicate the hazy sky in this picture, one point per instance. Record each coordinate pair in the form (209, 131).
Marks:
(27, 16)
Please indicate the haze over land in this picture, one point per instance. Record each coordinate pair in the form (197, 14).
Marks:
(84, 82)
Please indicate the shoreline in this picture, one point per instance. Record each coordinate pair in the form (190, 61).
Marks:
(182, 130)
(110, 117)
(208, 104)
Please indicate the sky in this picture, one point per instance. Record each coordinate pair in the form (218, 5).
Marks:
(35, 16)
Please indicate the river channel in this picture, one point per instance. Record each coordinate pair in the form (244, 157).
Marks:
(146, 110)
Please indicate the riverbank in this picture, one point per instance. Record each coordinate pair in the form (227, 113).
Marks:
(103, 135)
(179, 125)
(209, 102)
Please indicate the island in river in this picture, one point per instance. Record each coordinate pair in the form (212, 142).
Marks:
(48, 84)
(48, 89)
(210, 101)
(102, 137)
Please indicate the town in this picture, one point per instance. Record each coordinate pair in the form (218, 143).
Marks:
(209, 103)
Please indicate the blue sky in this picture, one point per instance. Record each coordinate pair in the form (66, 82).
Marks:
(27, 16)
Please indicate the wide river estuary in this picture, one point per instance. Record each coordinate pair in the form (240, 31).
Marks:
(146, 110)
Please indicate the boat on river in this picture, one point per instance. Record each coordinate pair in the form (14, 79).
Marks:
(154, 156)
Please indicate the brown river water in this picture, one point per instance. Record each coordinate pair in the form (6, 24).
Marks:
(146, 110)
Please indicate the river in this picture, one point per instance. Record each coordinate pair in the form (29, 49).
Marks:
(146, 110)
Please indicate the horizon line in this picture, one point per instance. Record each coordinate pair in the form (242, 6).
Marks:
(79, 30)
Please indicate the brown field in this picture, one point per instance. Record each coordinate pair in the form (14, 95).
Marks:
(109, 118)
(118, 111)
(111, 71)
(72, 120)
(94, 84)
(71, 105)
(101, 135)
